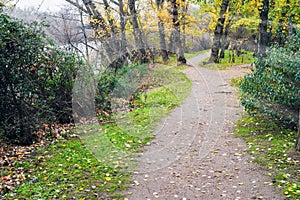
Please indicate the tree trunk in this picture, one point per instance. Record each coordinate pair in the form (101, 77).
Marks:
(214, 56)
(137, 33)
(225, 42)
(183, 19)
(263, 35)
(123, 42)
(176, 26)
(298, 138)
(161, 30)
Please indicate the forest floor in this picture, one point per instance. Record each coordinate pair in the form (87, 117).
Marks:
(195, 154)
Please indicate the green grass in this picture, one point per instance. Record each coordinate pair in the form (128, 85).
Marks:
(236, 82)
(171, 62)
(273, 148)
(193, 54)
(226, 62)
(68, 170)
(98, 166)
(131, 130)
(173, 59)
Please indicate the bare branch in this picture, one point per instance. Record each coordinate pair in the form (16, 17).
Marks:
(77, 6)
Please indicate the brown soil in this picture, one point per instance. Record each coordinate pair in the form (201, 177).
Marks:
(195, 155)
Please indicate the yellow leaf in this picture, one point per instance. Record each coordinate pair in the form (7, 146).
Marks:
(213, 151)
(127, 145)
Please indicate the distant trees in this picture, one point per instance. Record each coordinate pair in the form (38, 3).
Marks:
(130, 16)
(261, 21)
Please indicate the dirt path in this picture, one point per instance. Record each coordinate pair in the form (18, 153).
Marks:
(195, 155)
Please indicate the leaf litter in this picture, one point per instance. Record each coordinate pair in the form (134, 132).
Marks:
(14, 166)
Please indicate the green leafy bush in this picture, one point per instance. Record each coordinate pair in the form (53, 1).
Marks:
(272, 90)
(36, 80)
(123, 82)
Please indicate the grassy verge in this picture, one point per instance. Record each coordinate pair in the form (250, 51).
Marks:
(226, 62)
(173, 59)
(193, 54)
(129, 131)
(67, 170)
(236, 82)
(273, 148)
(171, 62)
(93, 167)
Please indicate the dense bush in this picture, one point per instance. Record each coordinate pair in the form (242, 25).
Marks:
(36, 80)
(272, 90)
(122, 83)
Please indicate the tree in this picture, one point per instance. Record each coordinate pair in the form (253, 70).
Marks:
(263, 35)
(102, 28)
(285, 15)
(161, 30)
(225, 42)
(214, 57)
(176, 33)
(137, 33)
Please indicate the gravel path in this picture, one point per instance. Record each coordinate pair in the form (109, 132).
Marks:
(195, 155)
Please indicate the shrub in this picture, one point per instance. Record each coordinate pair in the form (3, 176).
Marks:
(121, 83)
(272, 90)
(36, 80)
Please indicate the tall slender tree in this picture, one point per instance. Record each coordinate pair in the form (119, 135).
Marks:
(137, 33)
(176, 32)
(161, 30)
(214, 57)
(122, 21)
(263, 35)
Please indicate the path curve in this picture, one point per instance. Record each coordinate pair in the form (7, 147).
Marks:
(195, 155)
